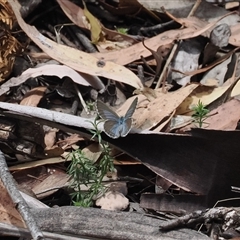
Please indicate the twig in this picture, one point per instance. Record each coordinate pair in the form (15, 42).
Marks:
(46, 114)
(163, 73)
(197, 216)
(229, 217)
(81, 98)
(194, 8)
(17, 199)
(158, 27)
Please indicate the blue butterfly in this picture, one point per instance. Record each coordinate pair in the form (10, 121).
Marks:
(115, 126)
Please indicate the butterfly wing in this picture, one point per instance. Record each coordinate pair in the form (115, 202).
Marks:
(127, 123)
(112, 128)
(118, 129)
(131, 109)
(126, 127)
(105, 112)
(115, 126)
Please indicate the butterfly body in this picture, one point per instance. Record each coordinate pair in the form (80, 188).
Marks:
(121, 120)
(116, 126)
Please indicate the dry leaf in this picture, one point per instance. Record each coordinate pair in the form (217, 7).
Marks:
(225, 117)
(73, 12)
(54, 181)
(231, 5)
(8, 212)
(125, 159)
(33, 97)
(50, 137)
(210, 82)
(95, 26)
(236, 90)
(132, 53)
(179, 121)
(211, 65)
(69, 141)
(92, 151)
(235, 35)
(37, 163)
(153, 113)
(47, 70)
(54, 151)
(110, 46)
(217, 73)
(76, 15)
(164, 122)
(196, 22)
(78, 60)
(206, 94)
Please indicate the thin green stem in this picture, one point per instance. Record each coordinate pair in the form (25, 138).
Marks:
(83, 171)
(200, 114)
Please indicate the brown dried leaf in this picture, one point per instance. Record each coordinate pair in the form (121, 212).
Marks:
(150, 114)
(225, 117)
(8, 212)
(132, 53)
(37, 163)
(210, 66)
(206, 94)
(78, 60)
(33, 97)
(235, 35)
(47, 70)
(54, 151)
(92, 152)
(236, 90)
(196, 22)
(76, 15)
(56, 180)
(50, 137)
(69, 141)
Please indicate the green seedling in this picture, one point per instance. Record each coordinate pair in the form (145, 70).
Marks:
(90, 105)
(122, 30)
(83, 171)
(200, 114)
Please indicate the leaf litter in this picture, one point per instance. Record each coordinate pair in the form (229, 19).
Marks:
(171, 63)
